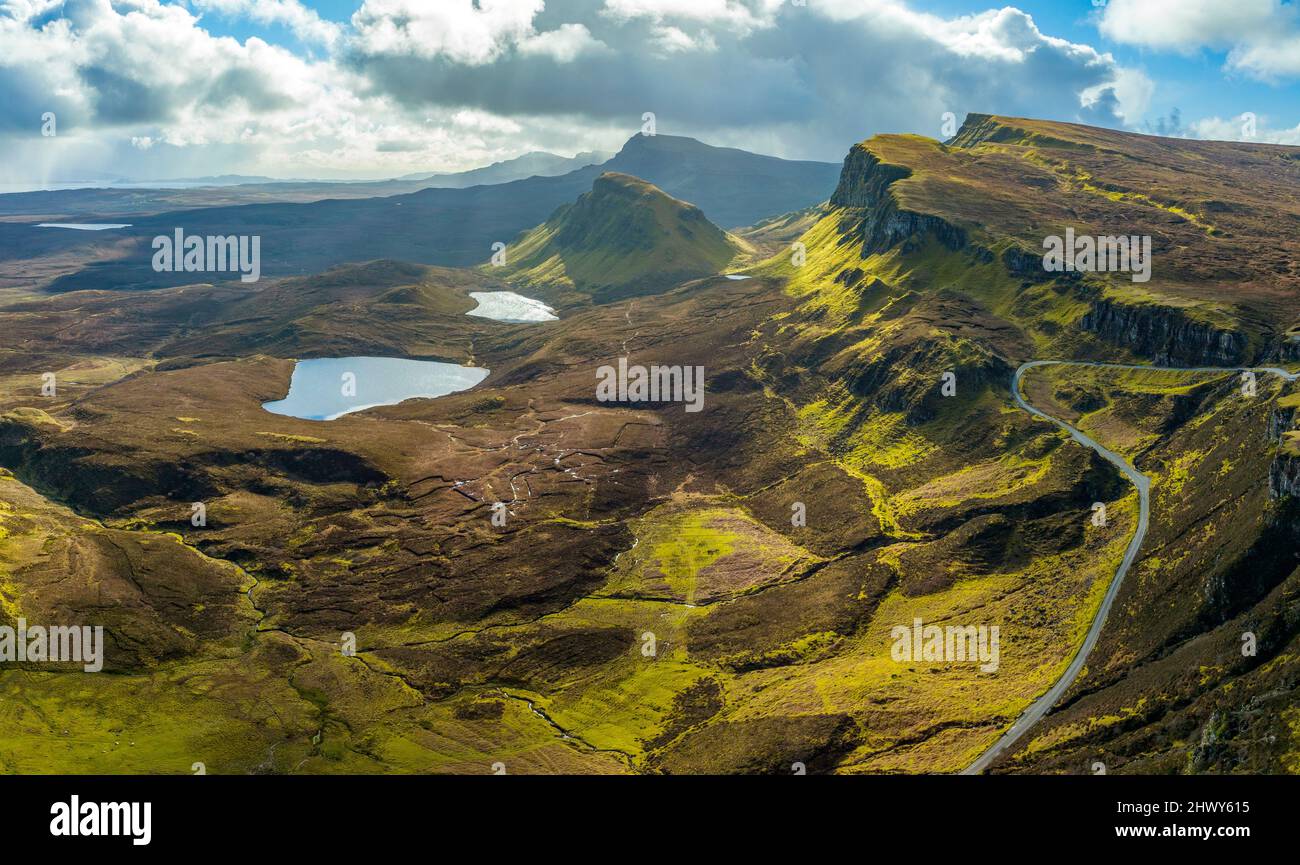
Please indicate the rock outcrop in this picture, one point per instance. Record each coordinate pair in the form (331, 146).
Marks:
(1284, 476)
(1280, 421)
(1165, 334)
(865, 186)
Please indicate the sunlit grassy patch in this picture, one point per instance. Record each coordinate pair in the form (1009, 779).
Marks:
(1041, 612)
(987, 480)
(696, 551)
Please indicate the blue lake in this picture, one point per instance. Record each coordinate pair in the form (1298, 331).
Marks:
(328, 388)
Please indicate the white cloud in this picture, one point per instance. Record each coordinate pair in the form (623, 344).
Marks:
(1187, 25)
(131, 77)
(1275, 57)
(1262, 37)
(482, 122)
(459, 30)
(417, 85)
(1132, 89)
(1002, 48)
(1243, 127)
(471, 32)
(305, 23)
(563, 44)
(733, 14)
(672, 40)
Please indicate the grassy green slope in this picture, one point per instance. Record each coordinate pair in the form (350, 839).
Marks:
(623, 238)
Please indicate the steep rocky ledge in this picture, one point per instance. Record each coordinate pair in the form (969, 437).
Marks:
(1280, 421)
(1284, 476)
(875, 210)
(864, 186)
(1165, 334)
(1028, 265)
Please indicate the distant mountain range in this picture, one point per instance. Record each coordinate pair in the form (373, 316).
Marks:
(127, 197)
(213, 180)
(98, 191)
(448, 226)
(535, 164)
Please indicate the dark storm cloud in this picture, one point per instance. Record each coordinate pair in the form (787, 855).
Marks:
(697, 89)
(118, 99)
(247, 85)
(23, 101)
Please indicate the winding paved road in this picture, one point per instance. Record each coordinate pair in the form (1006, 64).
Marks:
(1043, 704)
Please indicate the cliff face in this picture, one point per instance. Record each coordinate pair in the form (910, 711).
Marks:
(99, 477)
(1284, 476)
(1280, 421)
(1165, 335)
(865, 186)
(1223, 292)
(867, 195)
(1026, 265)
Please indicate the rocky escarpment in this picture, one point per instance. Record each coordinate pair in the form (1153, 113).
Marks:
(871, 210)
(979, 129)
(1284, 476)
(1165, 334)
(1280, 421)
(865, 186)
(1028, 265)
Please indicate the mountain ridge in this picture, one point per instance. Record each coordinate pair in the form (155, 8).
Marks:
(1001, 185)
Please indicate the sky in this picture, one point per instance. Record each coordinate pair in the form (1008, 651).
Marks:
(336, 89)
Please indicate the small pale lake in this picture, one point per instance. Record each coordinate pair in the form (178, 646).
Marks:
(511, 307)
(84, 226)
(328, 388)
